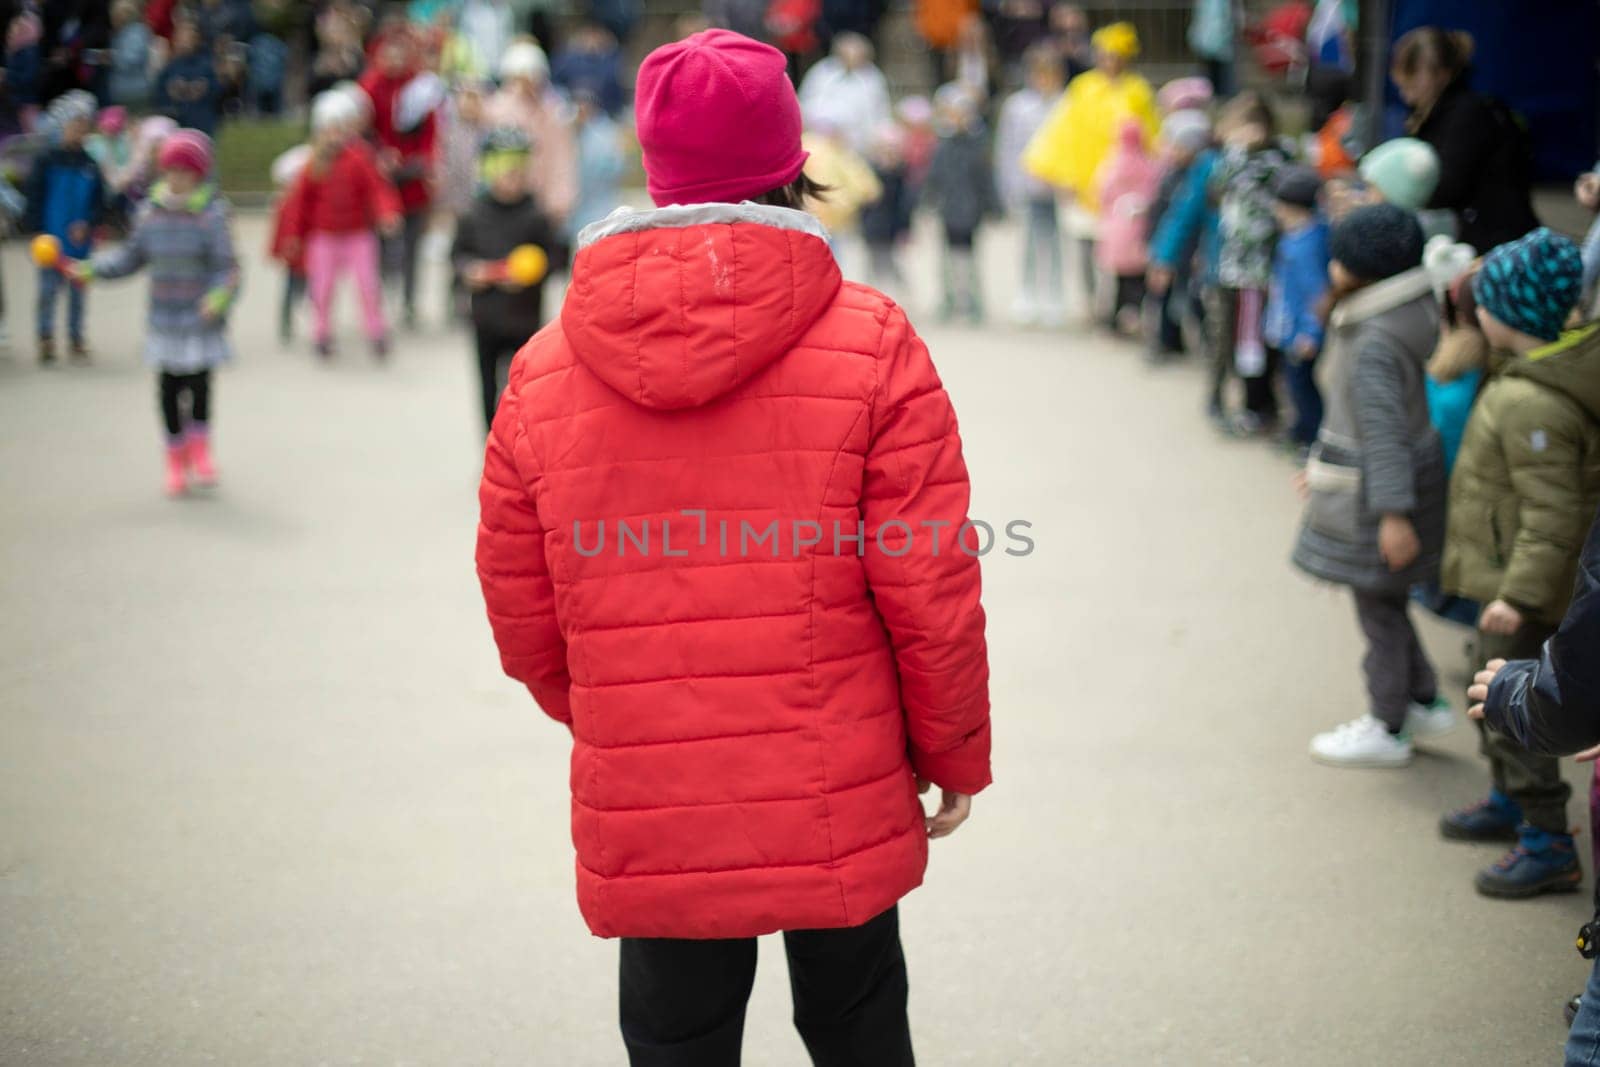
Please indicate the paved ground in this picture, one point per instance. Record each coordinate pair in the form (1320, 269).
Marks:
(265, 799)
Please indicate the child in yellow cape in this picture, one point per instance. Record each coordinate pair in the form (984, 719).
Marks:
(1079, 133)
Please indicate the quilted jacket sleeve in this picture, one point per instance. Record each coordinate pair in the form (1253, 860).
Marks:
(511, 565)
(1388, 469)
(926, 590)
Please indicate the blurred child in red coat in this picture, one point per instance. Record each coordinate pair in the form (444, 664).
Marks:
(331, 218)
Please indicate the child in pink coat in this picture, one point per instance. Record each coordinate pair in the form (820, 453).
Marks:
(1127, 183)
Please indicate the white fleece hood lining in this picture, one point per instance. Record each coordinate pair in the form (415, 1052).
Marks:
(682, 216)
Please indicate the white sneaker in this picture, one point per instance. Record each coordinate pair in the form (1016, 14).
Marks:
(1363, 742)
(1431, 720)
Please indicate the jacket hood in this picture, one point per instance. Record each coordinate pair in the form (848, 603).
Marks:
(1381, 297)
(675, 307)
(1570, 365)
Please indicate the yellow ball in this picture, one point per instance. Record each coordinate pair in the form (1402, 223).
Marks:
(46, 251)
(527, 265)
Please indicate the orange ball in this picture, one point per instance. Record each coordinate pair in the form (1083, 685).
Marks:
(527, 265)
(46, 251)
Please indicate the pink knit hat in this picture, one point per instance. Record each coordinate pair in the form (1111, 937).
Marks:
(112, 120)
(185, 150)
(718, 120)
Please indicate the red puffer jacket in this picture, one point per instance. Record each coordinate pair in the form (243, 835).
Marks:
(749, 716)
(351, 196)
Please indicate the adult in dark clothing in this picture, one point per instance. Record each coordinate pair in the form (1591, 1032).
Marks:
(1016, 25)
(74, 33)
(232, 19)
(591, 62)
(1069, 29)
(188, 87)
(1551, 705)
(619, 17)
(748, 17)
(850, 16)
(1485, 158)
(505, 311)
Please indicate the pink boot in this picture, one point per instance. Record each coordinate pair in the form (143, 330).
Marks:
(198, 444)
(176, 482)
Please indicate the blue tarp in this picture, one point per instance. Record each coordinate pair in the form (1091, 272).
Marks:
(1539, 56)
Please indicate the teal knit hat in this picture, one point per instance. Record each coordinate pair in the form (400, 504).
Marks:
(1531, 284)
(1405, 170)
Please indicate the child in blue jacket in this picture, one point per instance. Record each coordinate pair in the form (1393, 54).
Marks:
(66, 199)
(1186, 239)
(1299, 282)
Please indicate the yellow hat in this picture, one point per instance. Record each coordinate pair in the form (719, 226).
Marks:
(1117, 39)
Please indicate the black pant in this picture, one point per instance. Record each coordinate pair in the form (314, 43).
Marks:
(1129, 294)
(494, 360)
(174, 387)
(1261, 394)
(683, 1002)
(400, 256)
(294, 291)
(1396, 666)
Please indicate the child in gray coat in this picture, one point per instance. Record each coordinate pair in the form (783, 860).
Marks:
(182, 236)
(1375, 481)
(960, 188)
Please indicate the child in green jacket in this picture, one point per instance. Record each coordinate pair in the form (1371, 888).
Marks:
(1525, 483)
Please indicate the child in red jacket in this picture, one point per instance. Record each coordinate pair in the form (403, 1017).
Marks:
(332, 216)
(406, 136)
(758, 688)
(292, 254)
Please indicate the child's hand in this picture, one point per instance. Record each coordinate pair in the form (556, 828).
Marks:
(1478, 691)
(954, 808)
(1304, 350)
(510, 285)
(78, 233)
(1500, 618)
(477, 275)
(76, 271)
(389, 228)
(1397, 542)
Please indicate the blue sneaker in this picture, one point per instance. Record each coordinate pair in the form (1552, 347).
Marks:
(1494, 819)
(1542, 862)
